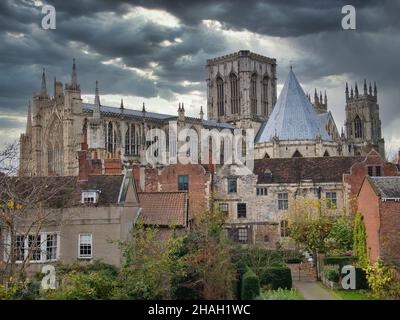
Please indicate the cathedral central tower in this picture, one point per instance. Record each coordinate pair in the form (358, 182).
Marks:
(241, 88)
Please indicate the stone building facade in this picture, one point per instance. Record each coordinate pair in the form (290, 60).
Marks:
(258, 204)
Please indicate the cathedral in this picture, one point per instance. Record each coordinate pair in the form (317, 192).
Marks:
(241, 93)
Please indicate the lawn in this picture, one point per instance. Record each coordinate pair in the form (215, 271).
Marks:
(280, 294)
(349, 295)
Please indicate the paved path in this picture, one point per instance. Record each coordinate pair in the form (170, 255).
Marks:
(312, 290)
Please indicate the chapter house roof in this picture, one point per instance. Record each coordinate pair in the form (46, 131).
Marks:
(293, 117)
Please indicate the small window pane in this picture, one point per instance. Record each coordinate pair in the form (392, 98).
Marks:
(242, 235)
(183, 183)
(19, 249)
(284, 228)
(224, 207)
(85, 246)
(331, 201)
(241, 210)
(232, 185)
(51, 247)
(34, 247)
(283, 203)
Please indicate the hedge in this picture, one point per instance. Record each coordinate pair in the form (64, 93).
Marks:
(332, 272)
(340, 260)
(250, 285)
(277, 277)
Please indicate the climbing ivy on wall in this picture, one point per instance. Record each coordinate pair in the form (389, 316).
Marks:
(360, 240)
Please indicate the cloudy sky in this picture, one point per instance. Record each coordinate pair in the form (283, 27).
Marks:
(155, 51)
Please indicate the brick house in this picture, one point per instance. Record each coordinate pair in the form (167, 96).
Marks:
(193, 179)
(379, 203)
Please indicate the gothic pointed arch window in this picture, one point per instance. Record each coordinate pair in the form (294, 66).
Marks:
(137, 141)
(55, 149)
(111, 138)
(131, 140)
(265, 84)
(234, 93)
(358, 131)
(128, 140)
(220, 96)
(253, 93)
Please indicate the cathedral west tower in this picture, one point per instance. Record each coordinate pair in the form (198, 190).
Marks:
(363, 125)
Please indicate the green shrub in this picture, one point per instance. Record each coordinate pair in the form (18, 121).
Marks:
(332, 272)
(277, 277)
(26, 290)
(280, 294)
(250, 285)
(83, 286)
(340, 260)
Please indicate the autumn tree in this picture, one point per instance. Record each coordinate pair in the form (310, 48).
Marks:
(27, 206)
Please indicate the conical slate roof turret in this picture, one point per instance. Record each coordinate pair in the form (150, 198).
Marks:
(293, 117)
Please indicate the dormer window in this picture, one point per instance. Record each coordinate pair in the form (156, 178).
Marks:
(90, 196)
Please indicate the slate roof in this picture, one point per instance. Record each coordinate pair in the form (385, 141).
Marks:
(293, 117)
(153, 116)
(294, 170)
(108, 186)
(164, 208)
(386, 187)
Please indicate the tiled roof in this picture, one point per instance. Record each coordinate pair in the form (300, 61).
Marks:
(293, 117)
(386, 187)
(154, 116)
(164, 208)
(294, 170)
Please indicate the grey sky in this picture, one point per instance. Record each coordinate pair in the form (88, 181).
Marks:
(155, 51)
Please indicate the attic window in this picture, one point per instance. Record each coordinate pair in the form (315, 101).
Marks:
(90, 196)
(268, 175)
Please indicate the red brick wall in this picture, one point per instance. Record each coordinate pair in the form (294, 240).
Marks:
(368, 206)
(166, 179)
(360, 170)
(112, 166)
(390, 229)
